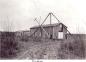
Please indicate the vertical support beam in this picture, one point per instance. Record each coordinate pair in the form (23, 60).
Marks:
(41, 32)
(53, 33)
(50, 18)
(50, 27)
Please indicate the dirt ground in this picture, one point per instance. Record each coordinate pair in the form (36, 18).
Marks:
(48, 49)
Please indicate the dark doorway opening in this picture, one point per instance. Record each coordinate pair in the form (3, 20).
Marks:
(51, 36)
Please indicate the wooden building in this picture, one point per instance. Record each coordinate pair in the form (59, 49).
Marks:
(52, 31)
(22, 33)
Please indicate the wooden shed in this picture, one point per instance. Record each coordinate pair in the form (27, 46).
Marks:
(54, 31)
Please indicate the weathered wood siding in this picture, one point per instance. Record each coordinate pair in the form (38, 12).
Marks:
(51, 31)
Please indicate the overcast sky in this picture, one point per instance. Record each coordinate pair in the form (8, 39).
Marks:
(19, 14)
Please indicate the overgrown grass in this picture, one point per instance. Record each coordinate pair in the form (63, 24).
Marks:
(9, 47)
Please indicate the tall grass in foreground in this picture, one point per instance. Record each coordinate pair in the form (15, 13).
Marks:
(9, 47)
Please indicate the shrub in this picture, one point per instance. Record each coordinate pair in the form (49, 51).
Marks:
(9, 47)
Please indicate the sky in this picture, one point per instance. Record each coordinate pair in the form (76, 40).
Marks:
(18, 15)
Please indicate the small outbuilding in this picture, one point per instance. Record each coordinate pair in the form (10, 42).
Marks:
(52, 31)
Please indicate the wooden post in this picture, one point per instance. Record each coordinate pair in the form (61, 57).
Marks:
(50, 18)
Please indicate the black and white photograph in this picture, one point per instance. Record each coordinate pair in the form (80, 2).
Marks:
(42, 29)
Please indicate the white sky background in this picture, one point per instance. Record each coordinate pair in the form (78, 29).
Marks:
(19, 14)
